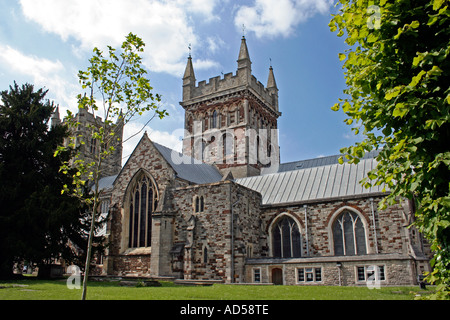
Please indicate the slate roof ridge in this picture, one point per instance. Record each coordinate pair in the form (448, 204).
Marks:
(319, 161)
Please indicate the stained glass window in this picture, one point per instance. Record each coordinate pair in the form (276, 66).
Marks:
(142, 205)
(286, 239)
(349, 235)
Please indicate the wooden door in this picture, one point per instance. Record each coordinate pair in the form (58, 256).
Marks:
(277, 276)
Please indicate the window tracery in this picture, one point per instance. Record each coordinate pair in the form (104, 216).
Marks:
(143, 202)
(286, 239)
(349, 235)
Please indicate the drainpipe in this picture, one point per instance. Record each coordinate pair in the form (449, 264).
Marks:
(306, 229)
(339, 266)
(232, 232)
(374, 227)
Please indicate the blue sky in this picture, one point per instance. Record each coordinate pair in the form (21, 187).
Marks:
(46, 42)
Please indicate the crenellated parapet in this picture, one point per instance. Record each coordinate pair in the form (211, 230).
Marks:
(222, 114)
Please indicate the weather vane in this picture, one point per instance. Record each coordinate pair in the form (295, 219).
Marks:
(243, 30)
(190, 49)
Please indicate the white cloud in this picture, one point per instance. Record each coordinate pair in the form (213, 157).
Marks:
(200, 7)
(270, 18)
(165, 26)
(42, 72)
(215, 43)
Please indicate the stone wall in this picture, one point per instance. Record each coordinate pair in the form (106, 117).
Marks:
(389, 248)
(210, 231)
(391, 233)
(144, 160)
(397, 270)
(218, 86)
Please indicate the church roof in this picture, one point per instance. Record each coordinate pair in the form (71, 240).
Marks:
(188, 168)
(313, 183)
(317, 162)
(106, 183)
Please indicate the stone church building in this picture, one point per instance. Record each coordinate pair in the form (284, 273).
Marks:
(226, 209)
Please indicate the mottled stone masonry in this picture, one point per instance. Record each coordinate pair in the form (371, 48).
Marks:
(232, 235)
(221, 231)
(320, 219)
(213, 227)
(145, 159)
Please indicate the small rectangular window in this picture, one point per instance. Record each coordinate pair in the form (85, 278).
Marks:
(361, 274)
(371, 273)
(197, 204)
(381, 273)
(257, 275)
(301, 274)
(318, 274)
(309, 274)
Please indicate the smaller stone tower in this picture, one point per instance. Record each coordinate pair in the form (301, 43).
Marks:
(111, 165)
(55, 120)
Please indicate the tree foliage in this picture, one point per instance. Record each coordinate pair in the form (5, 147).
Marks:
(398, 96)
(117, 89)
(36, 222)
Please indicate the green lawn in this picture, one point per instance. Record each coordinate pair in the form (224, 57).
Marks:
(57, 290)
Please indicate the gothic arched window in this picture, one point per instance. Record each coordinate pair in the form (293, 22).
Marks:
(143, 202)
(286, 239)
(349, 235)
(227, 145)
(199, 204)
(214, 120)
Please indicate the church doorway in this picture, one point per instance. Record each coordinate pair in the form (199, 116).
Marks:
(277, 276)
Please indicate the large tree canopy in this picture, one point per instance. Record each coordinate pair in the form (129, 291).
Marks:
(398, 96)
(36, 221)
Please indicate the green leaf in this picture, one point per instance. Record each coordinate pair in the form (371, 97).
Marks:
(435, 71)
(418, 59)
(437, 4)
(393, 93)
(433, 20)
(415, 80)
(337, 106)
(342, 57)
(400, 110)
(372, 38)
(415, 24)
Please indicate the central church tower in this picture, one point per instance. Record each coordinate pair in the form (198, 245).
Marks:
(232, 122)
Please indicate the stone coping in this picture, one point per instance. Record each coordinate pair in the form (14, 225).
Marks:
(333, 259)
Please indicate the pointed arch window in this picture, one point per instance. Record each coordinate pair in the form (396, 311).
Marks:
(205, 255)
(199, 203)
(227, 145)
(286, 239)
(349, 236)
(143, 202)
(214, 120)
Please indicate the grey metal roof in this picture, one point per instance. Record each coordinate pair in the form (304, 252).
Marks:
(188, 168)
(106, 183)
(320, 182)
(316, 162)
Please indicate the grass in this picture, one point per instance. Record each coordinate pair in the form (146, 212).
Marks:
(57, 290)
